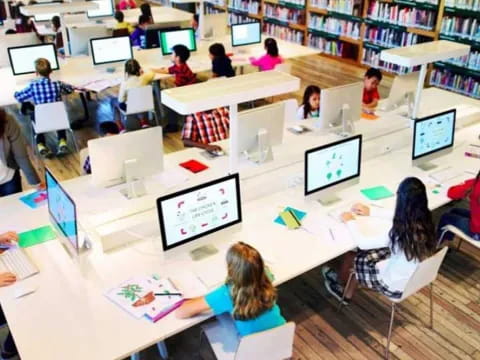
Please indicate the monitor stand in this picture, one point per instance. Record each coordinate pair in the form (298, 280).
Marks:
(203, 252)
(262, 151)
(426, 166)
(135, 185)
(348, 128)
(327, 200)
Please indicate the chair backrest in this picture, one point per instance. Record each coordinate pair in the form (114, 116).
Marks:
(139, 100)
(425, 273)
(273, 344)
(284, 67)
(120, 32)
(83, 155)
(459, 233)
(51, 117)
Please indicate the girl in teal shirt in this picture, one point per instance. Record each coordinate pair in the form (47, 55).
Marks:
(248, 294)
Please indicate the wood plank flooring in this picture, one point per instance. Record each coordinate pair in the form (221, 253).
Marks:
(358, 332)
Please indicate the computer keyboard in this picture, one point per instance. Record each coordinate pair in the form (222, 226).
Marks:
(17, 262)
(445, 174)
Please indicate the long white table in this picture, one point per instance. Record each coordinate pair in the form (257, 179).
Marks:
(69, 305)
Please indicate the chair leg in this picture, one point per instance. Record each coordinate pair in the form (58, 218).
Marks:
(74, 140)
(345, 290)
(431, 305)
(155, 117)
(162, 350)
(390, 328)
(135, 356)
(460, 240)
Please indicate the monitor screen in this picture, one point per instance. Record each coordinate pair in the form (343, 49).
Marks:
(246, 34)
(168, 39)
(105, 9)
(332, 164)
(62, 209)
(111, 49)
(44, 17)
(198, 211)
(433, 133)
(22, 58)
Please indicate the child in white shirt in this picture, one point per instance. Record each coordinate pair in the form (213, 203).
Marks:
(310, 107)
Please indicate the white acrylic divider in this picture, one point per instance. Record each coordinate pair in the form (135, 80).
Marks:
(229, 92)
(423, 54)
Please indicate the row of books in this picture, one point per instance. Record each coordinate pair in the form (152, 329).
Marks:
(283, 33)
(468, 28)
(335, 26)
(350, 7)
(234, 19)
(371, 58)
(470, 61)
(404, 16)
(433, 2)
(212, 10)
(326, 46)
(387, 37)
(281, 13)
(253, 7)
(216, 2)
(295, 2)
(462, 84)
(473, 5)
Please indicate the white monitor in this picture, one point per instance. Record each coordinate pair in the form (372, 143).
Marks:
(44, 17)
(79, 37)
(433, 137)
(22, 58)
(340, 106)
(215, 25)
(105, 9)
(110, 155)
(111, 50)
(246, 34)
(403, 88)
(62, 211)
(332, 167)
(168, 39)
(199, 211)
(261, 128)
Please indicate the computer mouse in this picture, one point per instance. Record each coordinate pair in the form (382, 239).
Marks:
(216, 152)
(297, 128)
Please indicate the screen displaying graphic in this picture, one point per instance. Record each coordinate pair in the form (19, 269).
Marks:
(245, 34)
(433, 133)
(105, 8)
(111, 49)
(168, 39)
(331, 164)
(62, 209)
(22, 58)
(192, 213)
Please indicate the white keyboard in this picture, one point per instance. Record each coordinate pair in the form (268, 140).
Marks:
(444, 175)
(17, 262)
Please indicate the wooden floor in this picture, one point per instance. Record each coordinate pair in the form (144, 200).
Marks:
(359, 331)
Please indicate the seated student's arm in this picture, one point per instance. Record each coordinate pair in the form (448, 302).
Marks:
(364, 210)
(66, 88)
(147, 78)
(190, 136)
(162, 70)
(364, 242)
(218, 301)
(255, 61)
(374, 103)
(192, 307)
(458, 192)
(24, 95)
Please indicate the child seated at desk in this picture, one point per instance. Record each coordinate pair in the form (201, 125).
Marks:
(146, 10)
(372, 79)
(310, 107)
(138, 35)
(247, 295)
(203, 128)
(58, 34)
(121, 23)
(107, 128)
(42, 91)
(195, 25)
(270, 59)
(221, 63)
(134, 77)
(9, 349)
(466, 220)
(386, 262)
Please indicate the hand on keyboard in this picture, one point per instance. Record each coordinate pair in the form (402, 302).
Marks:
(7, 278)
(17, 262)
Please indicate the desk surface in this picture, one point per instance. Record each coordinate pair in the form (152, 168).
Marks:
(69, 305)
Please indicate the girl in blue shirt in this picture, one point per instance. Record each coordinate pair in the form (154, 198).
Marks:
(248, 294)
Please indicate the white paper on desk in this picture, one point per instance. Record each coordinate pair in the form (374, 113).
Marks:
(171, 178)
(189, 284)
(327, 229)
(101, 85)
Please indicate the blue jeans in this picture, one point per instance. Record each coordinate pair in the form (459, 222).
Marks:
(13, 186)
(460, 218)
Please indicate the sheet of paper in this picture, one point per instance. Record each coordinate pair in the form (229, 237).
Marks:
(35, 199)
(189, 284)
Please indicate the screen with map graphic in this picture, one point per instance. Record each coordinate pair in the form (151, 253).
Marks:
(331, 164)
(189, 214)
(433, 133)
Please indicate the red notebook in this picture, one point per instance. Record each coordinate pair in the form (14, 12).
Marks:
(194, 166)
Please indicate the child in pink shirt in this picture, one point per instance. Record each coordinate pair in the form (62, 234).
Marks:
(270, 59)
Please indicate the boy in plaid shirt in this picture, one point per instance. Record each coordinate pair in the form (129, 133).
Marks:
(42, 91)
(203, 128)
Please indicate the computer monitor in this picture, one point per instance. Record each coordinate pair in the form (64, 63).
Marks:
(246, 34)
(168, 39)
(79, 37)
(111, 49)
(133, 155)
(44, 17)
(332, 167)
(402, 91)
(261, 128)
(22, 58)
(340, 106)
(105, 9)
(152, 34)
(63, 212)
(433, 136)
(15, 40)
(199, 211)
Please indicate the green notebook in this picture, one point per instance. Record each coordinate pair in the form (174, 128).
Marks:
(377, 193)
(36, 236)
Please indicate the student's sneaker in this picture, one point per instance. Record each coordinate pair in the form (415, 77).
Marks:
(329, 274)
(335, 289)
(44, 151)
(144, 124)
(62, 148)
